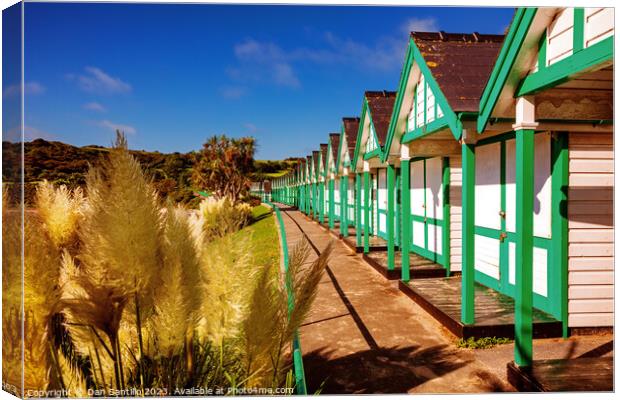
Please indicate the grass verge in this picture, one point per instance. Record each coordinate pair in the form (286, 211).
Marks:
(264, 236)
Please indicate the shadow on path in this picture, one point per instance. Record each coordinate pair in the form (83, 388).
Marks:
(383, 370)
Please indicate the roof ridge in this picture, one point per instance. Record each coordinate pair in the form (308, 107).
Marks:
(379, 93)
(443, 36)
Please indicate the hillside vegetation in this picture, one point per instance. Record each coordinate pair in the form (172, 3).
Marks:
(62, 163)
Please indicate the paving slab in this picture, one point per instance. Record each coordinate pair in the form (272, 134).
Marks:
(365, 336)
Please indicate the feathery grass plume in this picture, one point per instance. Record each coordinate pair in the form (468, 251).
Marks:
(119, 256)
(269, 327)
(60, 209)
(41, 295)
(223, 217)
(228, 274)
(305, 284)
(179, 297)
(11, 295)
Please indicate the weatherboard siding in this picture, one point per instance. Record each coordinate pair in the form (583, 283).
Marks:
(590, 230)
(456, 184)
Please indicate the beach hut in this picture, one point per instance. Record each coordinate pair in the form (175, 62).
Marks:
(442, 79)
(345, 179)
(332, 156)
(372, 198)
(539, 175)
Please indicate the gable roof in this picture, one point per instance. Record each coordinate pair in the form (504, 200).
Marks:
(505, 60)
(334, 141)
(323, 147)
(380, 105)
(456, 67)
(350, 126)
(315, 162)
(460, 63)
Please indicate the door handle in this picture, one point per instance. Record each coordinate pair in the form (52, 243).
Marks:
(502, 237)
(502, 214)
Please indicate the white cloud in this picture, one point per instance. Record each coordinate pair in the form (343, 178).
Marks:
(29, 88)
(232, 92)
(263, 62)
(94, 106)
(127, 129)
(95, 80)
(250, 127)
(421, 25)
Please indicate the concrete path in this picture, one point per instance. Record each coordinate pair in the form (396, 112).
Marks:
(365, 336)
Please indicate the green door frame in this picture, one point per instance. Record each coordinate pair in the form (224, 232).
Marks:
(553, 303)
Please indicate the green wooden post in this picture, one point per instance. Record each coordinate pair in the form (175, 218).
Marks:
(468, 222)
(341, 205)
(559, 220)
(366, 210)
(405, 200)
(321, 202)
(390, 217)
(358, 209)
(524, 178)
(345, 207)
(331, 204)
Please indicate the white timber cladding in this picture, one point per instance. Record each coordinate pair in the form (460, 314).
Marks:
(590, 230)
(487, 208)
(416, 180)
(598, 25)
(456, 212)
(337, 196)
(488, 190)
(542, 207)
(382, 198)
(560, 36)
(415, 118)
(434, 202)
(371, 143)
(351, 199)
(374, 203)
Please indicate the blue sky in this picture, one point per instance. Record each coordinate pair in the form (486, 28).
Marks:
(172, 75)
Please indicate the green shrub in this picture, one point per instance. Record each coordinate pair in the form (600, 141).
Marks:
(481, 343)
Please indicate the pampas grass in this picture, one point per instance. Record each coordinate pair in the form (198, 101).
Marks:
(124, 292)
(60, 210)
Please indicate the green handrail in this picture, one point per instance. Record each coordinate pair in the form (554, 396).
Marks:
(298, 362)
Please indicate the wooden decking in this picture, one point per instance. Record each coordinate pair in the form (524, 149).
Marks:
(588, 374)
(375, 243)
(420, 267)
(494, 313)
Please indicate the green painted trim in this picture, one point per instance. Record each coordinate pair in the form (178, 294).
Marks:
(425, 204)
(564, 69)
(331, 204)
(390, 217)
(524, 173)
(542, 51)
(425, 130)
(508, 54)
(366, 210)
(360, 132)
(468, 223)
(414, 55)
(298, 364)
(342, 136)
(559, 223)
(406, 221)
(344, 209)
(578, 29)
(358, 209)
(445, 232)
(375, 153)
(321, 202)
